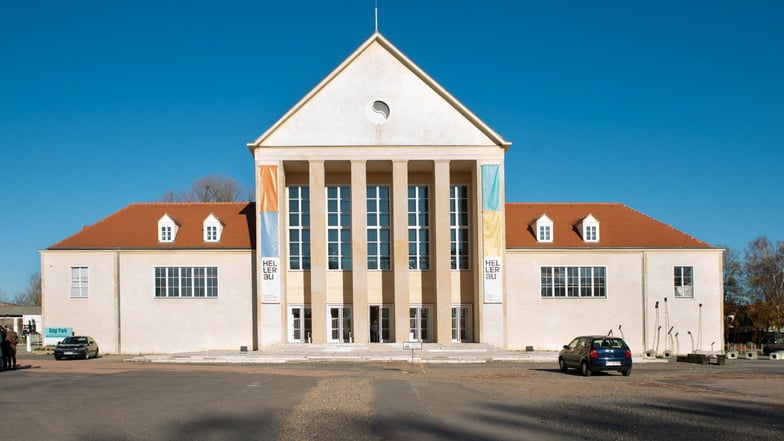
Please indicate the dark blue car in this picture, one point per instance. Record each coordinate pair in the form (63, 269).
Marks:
(593, 353)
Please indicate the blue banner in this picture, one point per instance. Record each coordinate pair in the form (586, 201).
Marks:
(491, 187)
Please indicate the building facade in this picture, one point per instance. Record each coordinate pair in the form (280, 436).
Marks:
(380, 217)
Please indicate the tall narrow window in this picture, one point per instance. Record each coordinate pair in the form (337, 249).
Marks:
(299, 228)
(378, 227)
(79, 282)
(684, 281)
(339, 227)
(418, 228)
(458, 218)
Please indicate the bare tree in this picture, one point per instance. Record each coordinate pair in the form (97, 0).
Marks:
(208, 189)
(735, 290)
(765, 272)
(31, 296)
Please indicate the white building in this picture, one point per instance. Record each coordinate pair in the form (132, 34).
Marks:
(380, 217)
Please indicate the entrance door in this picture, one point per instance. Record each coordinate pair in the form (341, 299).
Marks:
(339, 318)
(300, 330)
(420, 323)
(462, 324)
(381, 324)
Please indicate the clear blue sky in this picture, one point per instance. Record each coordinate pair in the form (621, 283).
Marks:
(673, 108)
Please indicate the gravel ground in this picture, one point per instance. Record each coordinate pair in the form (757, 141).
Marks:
(397, 401)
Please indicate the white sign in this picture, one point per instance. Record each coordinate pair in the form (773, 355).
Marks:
(412, 345)
(493, 279)
(270, 280)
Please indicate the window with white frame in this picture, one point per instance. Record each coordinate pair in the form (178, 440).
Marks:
(186, 281)
(79, 282)
(589, 227)
(212, 229)
(459, 231)
(300, 328)
(339, 227)
(418, 228)
(299, 227)
(573, 281)
(545, 233)
(544, 229)
(684, 281)
(167, 229)
(378, 228)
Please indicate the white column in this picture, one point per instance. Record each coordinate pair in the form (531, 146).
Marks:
(441, 249)
(318, 251)
(359, 266)
(400, 248)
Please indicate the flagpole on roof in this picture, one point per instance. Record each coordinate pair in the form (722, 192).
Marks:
(375, 11)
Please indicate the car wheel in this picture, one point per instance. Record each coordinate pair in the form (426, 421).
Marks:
(627, 372)
(57, 357)
(562, 365)
(86, 354)
(584, 369)
(96, 354)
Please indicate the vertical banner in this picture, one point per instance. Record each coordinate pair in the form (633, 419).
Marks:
(492, 271)
(270, 233)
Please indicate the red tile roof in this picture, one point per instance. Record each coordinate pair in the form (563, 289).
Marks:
(136, 227)
(619, 227)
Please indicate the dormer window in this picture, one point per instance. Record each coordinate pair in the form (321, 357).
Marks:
(213, 228)
(589, 228)
(544, 229)
(167, 229)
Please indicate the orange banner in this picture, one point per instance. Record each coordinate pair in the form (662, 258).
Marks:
(268, 181)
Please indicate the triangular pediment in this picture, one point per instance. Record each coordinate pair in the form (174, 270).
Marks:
(377, 96)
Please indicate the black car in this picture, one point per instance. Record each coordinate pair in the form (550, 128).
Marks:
(592, 353)
(80, 346)
(776, 346)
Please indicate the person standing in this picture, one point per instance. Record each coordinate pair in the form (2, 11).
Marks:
(3, 346)
(13, 339)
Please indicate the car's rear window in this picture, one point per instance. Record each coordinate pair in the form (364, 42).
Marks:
(608, 343)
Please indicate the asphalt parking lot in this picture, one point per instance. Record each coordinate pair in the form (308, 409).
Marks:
(109, 398)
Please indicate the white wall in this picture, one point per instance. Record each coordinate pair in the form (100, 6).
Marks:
(148, 324)
(635, 281)
(94, 315)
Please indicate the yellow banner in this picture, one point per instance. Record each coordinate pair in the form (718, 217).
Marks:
(491, 232)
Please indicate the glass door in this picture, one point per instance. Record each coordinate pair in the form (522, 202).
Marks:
(339, 319)
(300, 330)
(419, 319)
(462, 324)
(381, 324)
